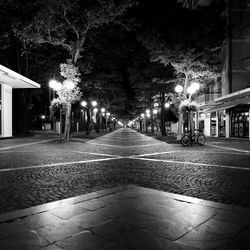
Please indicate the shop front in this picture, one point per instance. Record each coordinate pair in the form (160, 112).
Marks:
(239, 121)
(229, 117)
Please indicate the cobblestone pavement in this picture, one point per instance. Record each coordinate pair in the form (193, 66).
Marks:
(37, 173)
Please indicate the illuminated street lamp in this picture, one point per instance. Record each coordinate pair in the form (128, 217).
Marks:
(194, 87)
(57, 86)
(94, 103)
(178, 89)
(84, 104)
(54, 84)
(167, 105)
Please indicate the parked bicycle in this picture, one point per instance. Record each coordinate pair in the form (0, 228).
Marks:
(191, 137)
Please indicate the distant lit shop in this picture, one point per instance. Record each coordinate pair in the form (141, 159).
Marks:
(228, 117)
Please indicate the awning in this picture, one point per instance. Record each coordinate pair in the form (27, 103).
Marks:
(12, 78)
(230, 104)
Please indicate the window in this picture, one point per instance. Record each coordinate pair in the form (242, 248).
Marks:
(247, 64)
(246, 32)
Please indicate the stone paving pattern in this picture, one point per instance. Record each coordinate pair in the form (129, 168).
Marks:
(29, 186)
(127, 217)
(41, 171)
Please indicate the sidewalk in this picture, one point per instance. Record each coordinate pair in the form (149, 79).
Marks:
(127, 217)
(241, 144)
(6, 143)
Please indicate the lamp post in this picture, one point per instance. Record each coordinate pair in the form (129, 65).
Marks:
(56, 86)
(107, 117)
(193, 88)
(88, 109)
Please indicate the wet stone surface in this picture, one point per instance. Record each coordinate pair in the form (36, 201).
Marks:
(189, 171)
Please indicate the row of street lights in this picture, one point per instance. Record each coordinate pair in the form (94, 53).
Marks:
(91, 107)
(95, 110)
(150, 113)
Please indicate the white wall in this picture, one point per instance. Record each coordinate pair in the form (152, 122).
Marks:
(6, 110)
(207, 125)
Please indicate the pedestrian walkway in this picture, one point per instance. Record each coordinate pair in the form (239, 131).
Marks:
(127, 217)
(232, 143)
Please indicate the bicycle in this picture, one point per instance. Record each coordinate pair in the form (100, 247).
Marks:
(195, 136)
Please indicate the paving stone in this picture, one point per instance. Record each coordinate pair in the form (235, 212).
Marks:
(204, 240)
(114, 211)
(219, 227)
(67, 212)
(51, 247)
(40, 219)
(90, 219)
(176, 225)
(233, 218)
(92, 204)
(114, 231)
(157, 210)
(202, 210)
(143, 240)
(241, 242)
(84, 240)
(28, 240)
(11, 228)
(58, 231)
(137, 219)
(115, 246)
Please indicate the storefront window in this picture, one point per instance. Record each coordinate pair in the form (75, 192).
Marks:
(240, 121)
(213, 124)
(222, 123)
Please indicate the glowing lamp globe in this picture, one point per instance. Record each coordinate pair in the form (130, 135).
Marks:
(83, 103)
(178, 89)
(94, 103)
(167, 105)
(195, 86)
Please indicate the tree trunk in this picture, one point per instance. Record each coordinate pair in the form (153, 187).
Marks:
(67, 122)
(140, 125)
(88, 122)
(179, 135)
(185, 84)
(152, 124)
(163, 128)
(97, 122)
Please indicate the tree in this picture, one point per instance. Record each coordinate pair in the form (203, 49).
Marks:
(25, 58)
(68, 23)
(192, 45)
(68, 93)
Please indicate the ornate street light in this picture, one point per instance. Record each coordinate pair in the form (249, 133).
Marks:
(167, 105)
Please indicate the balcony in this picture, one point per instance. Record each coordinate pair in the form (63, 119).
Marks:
(207, 98)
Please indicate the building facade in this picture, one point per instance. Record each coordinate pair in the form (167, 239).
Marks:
(9, 79)
(225, 108)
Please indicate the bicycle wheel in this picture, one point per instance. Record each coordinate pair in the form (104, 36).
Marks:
(201, 139)
(185, 140)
